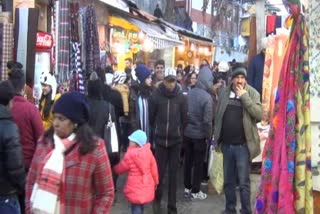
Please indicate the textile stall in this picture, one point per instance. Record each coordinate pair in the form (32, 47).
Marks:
(6, 48)
(286, 180)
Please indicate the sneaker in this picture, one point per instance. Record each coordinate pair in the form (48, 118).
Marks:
(199, 196)
(186, 193)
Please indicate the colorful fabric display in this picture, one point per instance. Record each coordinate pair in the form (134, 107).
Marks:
(6, 48)
(286, 181)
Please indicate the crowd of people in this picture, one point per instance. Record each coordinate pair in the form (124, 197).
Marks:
(57, 157)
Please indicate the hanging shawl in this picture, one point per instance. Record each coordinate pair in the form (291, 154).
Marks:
(64, 42)
(286, 182)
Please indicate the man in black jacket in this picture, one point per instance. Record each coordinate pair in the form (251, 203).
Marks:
(12, 174)
(168, 111)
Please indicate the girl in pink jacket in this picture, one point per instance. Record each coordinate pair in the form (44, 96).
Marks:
(142, 171)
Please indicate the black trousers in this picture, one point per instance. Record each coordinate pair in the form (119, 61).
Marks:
(195, 150)
(168, 156)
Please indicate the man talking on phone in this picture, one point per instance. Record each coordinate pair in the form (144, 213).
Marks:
(238, 111)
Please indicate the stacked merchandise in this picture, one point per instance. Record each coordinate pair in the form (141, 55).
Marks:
(286, 180)
(6, 45)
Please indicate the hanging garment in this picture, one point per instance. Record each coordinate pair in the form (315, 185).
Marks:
(76, 82)
(271, 24)
(91, 40)
(286, 183)
(6, 50)
(64, 41)
(26, 22)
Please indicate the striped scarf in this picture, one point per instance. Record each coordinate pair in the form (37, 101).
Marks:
(144, 115)
(45, 197)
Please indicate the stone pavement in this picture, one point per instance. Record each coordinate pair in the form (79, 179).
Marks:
(214, 204)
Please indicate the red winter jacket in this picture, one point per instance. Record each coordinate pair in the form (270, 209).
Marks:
(28, 119)
(142, 174)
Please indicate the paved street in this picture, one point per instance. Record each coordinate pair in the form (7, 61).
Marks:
(214, 204)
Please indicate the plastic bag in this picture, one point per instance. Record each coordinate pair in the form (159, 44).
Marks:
(216, 171)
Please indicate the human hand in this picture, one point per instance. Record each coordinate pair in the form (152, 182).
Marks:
(240, 90)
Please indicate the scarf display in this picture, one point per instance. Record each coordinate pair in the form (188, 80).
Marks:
(286, 180)
(45, 197)
(275, 52)
(63, 33)
(76, 83)
(6, 48)
(26, 22)
(90, 39)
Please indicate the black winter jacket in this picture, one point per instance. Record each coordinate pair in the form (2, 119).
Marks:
(12, 174)
(168, 114)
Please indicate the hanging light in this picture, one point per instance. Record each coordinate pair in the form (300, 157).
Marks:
(141, 35)
(148, 45)
(181, 48)
(200, 50)
(192, 47)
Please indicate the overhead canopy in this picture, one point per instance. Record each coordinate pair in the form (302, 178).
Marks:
(160, 37)
(192, 37)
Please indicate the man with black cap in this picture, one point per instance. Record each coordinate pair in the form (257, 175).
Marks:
(12, 174)
(168, 111)
(238, 111)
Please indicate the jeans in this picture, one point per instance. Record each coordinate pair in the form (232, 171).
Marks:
(137, 208)
(9, 205)
(168, 156)
(195, 150)
(236, 162)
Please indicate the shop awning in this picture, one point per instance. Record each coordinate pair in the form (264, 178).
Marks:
(161, 38)
(191, 36)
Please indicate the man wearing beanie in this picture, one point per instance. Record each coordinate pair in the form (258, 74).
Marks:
(236, 133)
(12, 174)
(139, 101)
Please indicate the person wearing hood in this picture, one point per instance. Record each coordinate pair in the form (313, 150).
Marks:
(142, 170)
(12, 174)
(168, 113)
(139, 101)
(48, 98)
(197, 132)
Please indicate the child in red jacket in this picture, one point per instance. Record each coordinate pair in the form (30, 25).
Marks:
(142, 170)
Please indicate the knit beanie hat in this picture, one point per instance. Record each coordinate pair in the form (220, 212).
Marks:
(94, 86)
(74, 106)
(142, 72)
(49, 79)
(139, 137)
(6, 93)
(239, 70)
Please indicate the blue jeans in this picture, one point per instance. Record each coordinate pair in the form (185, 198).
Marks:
(137, 208)
(236, 163)
(9, 205)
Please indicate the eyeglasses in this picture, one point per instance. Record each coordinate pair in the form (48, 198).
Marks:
(159, 67)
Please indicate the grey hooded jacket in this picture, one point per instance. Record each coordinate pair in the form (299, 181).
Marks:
(200, 111)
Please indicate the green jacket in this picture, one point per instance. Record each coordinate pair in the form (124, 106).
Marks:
(252, 114)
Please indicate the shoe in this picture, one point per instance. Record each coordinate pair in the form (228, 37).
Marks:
(186, 193)
(172, 210)
(204, 183)
(199, 196)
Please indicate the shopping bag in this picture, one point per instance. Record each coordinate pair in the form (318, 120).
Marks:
(211, 153)
(110, 136)
(216, 172)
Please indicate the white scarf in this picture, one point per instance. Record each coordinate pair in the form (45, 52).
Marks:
(45, 194)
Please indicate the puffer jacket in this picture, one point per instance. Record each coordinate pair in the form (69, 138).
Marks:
(12, 174)
(200, 111)
(142, 177)
(252, 114)
(168, 115)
